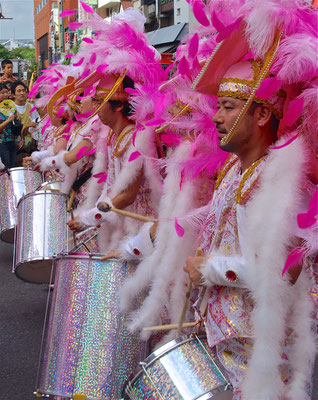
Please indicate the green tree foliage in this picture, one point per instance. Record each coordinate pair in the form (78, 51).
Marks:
(4, 53)
(22, 52)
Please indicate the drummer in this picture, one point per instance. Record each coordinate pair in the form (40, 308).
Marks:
(125, 181)
(258, 322)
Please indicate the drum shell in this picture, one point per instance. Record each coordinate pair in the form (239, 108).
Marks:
(185, 368)
(89, 349)
(41, 231)
(14, 184)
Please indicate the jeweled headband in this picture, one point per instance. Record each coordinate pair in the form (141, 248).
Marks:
(242, 89)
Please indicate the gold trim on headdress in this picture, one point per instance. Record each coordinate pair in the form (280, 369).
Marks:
(269, 59)
(113, 90)
(242, 89)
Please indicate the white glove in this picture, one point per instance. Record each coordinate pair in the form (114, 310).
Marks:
(55, 162)
(94, 216)
(37, 156)
(224, 271)
(137, 247)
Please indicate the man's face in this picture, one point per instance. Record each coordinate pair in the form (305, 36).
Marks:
(106, 113)
(20, 93)
(8, 70)
(228, 109)
(88, 105)
(4, 94)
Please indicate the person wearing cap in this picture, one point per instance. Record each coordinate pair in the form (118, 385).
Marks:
(258, 318)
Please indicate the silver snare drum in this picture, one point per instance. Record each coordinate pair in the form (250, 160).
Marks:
(41, 231)
(14, 183)
(89, 350)
(183, 369)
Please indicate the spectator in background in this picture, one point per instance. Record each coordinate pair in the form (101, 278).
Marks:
(8, 85)
(8, 148)
(27, 143)
(7, 69)
(4, 92)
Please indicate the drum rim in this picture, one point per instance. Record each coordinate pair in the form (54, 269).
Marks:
(84, 256)
(154, 356)
(37, 192)
(20, 168)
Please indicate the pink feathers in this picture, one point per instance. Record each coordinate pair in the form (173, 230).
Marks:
(88, 40)
(101, 176)
(81, 152)
(199, 12)
(268, 87)
(308, 219)
(294, 259)
(74, 25)
(78, 63)
(134, 156)
(183, 66)
(87, 8)
(67, 13)
(294, 111)
(193, 46)
(178, 228)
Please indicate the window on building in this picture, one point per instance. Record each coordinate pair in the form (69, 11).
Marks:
(178, 11)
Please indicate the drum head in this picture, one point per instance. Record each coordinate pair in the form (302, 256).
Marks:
(35, 271)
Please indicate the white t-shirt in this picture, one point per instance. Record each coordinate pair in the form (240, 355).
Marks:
(34, 115)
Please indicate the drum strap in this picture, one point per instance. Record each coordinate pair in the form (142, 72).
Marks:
(82, 179)
(204, 303)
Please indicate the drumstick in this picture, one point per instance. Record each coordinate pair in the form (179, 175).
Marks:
(70, 202)
(168, 327)
(102, 206)
(198, 253)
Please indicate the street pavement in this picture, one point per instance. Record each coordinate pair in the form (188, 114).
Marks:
(22, 310)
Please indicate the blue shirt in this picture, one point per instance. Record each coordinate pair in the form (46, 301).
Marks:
(6, 135)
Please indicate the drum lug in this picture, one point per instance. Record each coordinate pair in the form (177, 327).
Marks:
(78, 396)
(38, 393)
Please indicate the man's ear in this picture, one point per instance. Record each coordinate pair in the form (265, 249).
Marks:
(119, 107)
(264, 114)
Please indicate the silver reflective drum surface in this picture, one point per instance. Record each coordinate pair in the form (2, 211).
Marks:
(89, 350)
(183, 369)
(14, 183)
(41, 231)
(51, 185)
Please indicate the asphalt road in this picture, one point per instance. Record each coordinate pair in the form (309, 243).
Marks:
(22, 310)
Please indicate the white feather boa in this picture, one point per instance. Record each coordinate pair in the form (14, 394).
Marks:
(163, 269)
(265, 233)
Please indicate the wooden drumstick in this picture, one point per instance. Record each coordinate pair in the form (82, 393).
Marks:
(169, 327)
(198, 253)
(70, 202)
(102, 206)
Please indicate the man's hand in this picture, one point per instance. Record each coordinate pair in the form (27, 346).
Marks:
(11, 118)
(75, 225)
(37, 167)
(192, 267)
(111, 254)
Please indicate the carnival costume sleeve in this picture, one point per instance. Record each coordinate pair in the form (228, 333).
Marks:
(224, 271)
(38, 156)
(94, 216)
(138, 247)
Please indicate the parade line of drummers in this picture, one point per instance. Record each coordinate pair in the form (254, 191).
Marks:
(173, 212)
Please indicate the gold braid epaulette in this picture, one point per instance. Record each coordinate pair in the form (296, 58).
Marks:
(225, 169)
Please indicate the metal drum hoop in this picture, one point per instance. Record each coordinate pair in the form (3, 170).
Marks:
(157, 354)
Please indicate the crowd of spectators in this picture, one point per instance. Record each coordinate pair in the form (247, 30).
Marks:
(16, 119)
